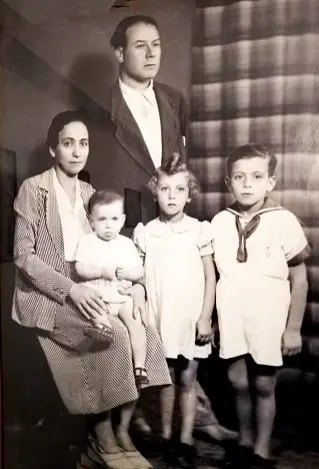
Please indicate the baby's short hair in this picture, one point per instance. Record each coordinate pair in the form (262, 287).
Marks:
(252, 150)
(103, 197)
(176, 164)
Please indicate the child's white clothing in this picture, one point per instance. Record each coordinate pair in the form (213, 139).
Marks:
(175, 280)
(118, 252)
(253, 296)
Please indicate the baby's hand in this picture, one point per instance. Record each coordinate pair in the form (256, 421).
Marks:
(109, 272)
(291, 342)
(127, 273)
(203, 331)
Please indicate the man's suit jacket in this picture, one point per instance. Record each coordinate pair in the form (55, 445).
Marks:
(43, 277)
(119, 158)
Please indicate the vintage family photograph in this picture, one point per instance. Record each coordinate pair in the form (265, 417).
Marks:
(159, 195)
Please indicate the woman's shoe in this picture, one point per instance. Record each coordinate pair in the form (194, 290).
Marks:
(137, 460)
(97, 454)
(101, 333)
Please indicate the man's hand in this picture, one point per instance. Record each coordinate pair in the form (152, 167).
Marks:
(88, 301)
(203, 330)
(291, 342)
(137, 292)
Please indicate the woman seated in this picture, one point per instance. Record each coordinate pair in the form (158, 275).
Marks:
(92, 377)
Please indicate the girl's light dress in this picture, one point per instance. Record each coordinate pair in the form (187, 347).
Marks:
(175, 280)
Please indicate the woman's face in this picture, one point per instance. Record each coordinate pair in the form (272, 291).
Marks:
(72, 150)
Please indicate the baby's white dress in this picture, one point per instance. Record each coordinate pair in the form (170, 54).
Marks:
(175, 280)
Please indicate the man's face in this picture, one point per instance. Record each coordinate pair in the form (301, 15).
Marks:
(140, 58)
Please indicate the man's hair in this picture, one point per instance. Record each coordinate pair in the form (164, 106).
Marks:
(174, 165)
(252, 150)
(119, 38)
(103, 197)
(61, 120)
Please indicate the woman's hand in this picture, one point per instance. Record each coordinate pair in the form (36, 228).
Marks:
(137, 292)
(88, 301)
(203, 330)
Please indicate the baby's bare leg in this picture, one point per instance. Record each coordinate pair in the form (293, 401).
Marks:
(136, 332)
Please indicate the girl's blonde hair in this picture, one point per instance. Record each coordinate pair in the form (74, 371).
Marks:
(174, 165)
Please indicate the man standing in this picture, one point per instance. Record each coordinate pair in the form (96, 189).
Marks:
(145, 120)
(144, 124)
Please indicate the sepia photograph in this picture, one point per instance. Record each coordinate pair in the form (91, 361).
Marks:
(159, 207)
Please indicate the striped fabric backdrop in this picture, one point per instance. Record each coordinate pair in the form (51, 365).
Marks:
(256, 78)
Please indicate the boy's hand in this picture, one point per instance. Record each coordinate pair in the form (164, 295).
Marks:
(109, 272)
(203, 331)
(291, 342)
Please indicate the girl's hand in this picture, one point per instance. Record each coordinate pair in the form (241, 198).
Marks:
(291, 342)
(88, 301)
(203, 331)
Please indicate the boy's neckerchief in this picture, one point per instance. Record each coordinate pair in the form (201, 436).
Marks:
(248, 230)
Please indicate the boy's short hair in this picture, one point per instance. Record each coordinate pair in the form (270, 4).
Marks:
(176, 164)
(61, 120)
(104, 197)
(119, 39)
(252, 150)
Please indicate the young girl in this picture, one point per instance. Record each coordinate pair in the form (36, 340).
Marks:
(180, 283)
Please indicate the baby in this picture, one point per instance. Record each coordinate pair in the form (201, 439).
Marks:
(109, 263)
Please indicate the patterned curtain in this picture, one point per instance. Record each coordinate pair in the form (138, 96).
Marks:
(255, 78)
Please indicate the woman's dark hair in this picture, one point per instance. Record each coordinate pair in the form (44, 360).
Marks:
(252, 150)
(103, 197)
(174, 165)
(61, 120)
(118, 38)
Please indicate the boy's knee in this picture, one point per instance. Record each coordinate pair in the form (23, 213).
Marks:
(238, 381)
(265, 385)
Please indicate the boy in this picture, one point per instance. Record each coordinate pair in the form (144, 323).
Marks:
(109, 262)
(259, 250)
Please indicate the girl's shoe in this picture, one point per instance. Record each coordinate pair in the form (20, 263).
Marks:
(168, 450)
(238, 457)
(258, 462)
(186, 455)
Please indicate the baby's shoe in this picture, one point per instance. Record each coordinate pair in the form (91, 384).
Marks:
(140, 376)
(100, 333)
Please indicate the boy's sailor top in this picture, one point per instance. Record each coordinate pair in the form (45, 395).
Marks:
(253, 292)
(267, 245)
